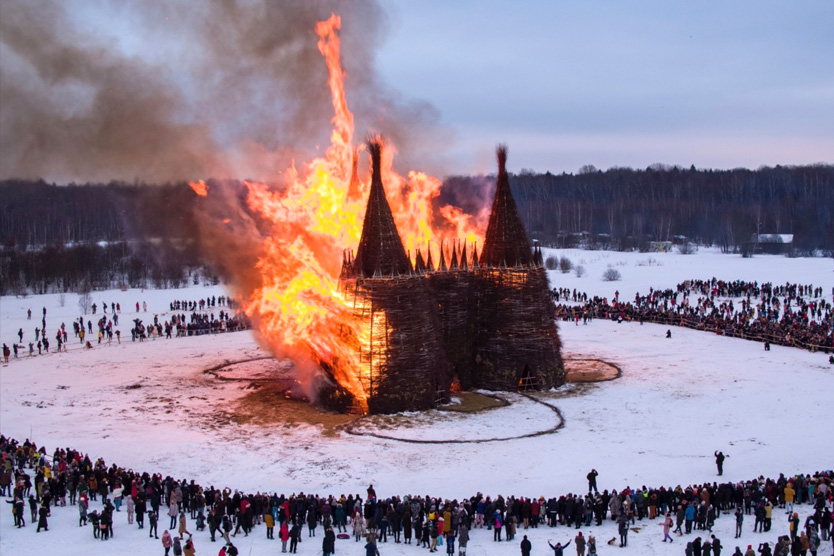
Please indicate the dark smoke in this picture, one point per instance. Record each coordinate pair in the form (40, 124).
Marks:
(473, 194)
(165, 90)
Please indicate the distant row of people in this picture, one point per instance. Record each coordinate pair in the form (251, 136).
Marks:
(106, 328)
(791, 320)
(202, 304)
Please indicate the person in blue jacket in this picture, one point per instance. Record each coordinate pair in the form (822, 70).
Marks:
(559, 549)
(689, 514)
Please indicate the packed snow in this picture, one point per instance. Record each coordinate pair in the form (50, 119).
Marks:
(149, 406)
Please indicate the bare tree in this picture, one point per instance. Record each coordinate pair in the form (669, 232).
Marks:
(611, 275)
(85, 302)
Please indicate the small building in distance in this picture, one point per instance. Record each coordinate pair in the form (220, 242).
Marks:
(774, 244)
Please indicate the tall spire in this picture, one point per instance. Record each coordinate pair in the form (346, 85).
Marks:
(506, 241)
(380, 248)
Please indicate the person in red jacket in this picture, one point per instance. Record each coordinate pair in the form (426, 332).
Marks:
(284, 534)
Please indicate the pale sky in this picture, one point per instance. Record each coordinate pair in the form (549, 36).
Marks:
(621, 83)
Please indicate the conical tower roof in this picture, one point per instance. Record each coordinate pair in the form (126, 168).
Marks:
(506, 241)
(380, 248)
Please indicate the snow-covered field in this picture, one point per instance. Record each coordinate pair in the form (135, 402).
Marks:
(149, 406)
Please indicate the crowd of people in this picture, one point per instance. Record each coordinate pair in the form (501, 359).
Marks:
(202, 304)
(789, 314)
(69, 477)
(195, 325)
(107, 326)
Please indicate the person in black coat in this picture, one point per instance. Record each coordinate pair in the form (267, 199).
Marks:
(592, 481)
(153, 517)
(696, 546)
(295, 536)
(328, 544)
(311, 522)
(719, 462)
(716, 546)
(42, 524)
(140, 507)
(213, 524)
(526, 546)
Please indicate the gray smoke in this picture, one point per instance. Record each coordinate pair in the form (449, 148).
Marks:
(163, 90)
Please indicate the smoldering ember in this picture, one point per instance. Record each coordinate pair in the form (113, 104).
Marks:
(337, 356)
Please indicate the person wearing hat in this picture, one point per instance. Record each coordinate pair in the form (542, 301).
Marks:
(793, 522)
(790, 495)
(579, 543)
(498, 524)
(328, 544)
(750, 551)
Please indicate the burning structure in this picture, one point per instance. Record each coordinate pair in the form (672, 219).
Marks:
(393, 328)
(474, 321)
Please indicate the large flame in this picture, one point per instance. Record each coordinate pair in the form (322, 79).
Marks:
(299, 309)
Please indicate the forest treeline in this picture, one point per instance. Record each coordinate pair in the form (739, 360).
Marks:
(71, 237)
(622, 208)
(97, 236)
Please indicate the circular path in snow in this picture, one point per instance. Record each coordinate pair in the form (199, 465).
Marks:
(519, 415)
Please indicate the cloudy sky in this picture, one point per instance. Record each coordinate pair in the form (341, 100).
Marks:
(715, 84)
(158, 90)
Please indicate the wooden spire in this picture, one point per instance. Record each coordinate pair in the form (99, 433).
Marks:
(380, 247)
(505, 243)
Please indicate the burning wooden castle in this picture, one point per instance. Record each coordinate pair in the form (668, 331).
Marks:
(477, 321)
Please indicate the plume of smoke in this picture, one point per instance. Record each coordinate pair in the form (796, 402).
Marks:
(473, 194)
(165, 90)
(232, 238)
(229, 236)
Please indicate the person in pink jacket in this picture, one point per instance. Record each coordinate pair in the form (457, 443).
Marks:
(667, 526)
(167, 542)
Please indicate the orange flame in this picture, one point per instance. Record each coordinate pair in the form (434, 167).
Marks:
(317, 216)
(199, 187)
